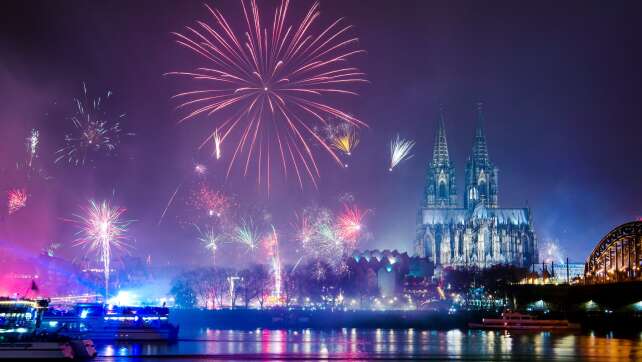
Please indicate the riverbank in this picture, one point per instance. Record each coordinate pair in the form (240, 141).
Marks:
(299, 318)
(323, 319)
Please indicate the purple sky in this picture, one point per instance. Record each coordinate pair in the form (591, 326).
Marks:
(561, 85)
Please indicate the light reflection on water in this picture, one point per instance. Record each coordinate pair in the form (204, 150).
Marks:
(380, 343)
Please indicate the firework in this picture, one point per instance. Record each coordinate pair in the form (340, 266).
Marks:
(212, 203)
(270, 89)
(51, 248)
(400, 151)
(349, 223)
(96, 130)
(170, 201)
(16, 200)
(217, 145)
(325, 237)
(246, 234)
(200, 169)
(346, 140)
(305, 231)
(32, 145)
(346, 198)
(271, 244)
(101, 229)
(210, 239)
(551, 252)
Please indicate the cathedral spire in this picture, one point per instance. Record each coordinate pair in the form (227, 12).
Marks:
(441, 189)
(481, 174)
(480, 150)
(440, 155)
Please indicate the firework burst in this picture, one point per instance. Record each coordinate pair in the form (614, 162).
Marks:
(96, 130)
(247, 235)
(551, 252)
(210, 239)
(16, 200)
(349, 224)
(211, 202)
(270, 89)
(323, 236)
(400, 151)
(346, 139)
(101, 229)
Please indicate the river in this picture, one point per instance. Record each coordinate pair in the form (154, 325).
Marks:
(203, 344)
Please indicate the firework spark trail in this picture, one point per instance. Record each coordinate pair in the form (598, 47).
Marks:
(217, 145)
(101, 229)
(16, 200)
(400, 151)
(32, 145)
(271, 243)
(346, 140)
(169, 203)
(95, 130)
(199, 170)
(272, 85)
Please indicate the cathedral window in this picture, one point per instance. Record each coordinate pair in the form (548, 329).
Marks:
(442, 190)
(472, 194)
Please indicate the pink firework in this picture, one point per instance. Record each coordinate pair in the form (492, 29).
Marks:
(102, 228)
(270, 87)
(349, 223)
(16, 200)
(213, 203)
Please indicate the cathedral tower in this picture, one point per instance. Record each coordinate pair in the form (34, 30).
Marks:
(440, 190)
(481, 174)
(480, 234)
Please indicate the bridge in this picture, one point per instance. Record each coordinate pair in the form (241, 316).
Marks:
(617, 257)
(612, 281)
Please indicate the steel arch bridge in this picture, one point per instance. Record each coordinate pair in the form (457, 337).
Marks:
(617, 256)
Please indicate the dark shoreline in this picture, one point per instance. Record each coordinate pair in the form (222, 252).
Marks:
(622, 323)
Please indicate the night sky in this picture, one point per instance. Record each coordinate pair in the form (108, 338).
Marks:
(560, 81)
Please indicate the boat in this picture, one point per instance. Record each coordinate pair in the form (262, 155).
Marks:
(114, 323)
(22, 338)
(524, 322)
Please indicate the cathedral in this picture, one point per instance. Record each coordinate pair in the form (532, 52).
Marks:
(480, 233)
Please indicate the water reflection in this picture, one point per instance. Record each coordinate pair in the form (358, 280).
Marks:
(382, 343)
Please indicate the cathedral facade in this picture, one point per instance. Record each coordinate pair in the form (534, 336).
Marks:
(480, 233)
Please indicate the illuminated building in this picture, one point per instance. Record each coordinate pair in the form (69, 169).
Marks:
(480, 233)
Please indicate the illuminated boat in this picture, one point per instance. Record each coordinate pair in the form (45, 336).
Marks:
(113, 323)
(22, 338)
(524, 322)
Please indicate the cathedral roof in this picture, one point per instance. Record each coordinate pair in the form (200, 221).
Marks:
(440, 155)
(463, 216)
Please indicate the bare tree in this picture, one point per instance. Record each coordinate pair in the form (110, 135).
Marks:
(254, 280)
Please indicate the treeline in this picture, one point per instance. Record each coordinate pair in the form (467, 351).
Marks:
(310, 282)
